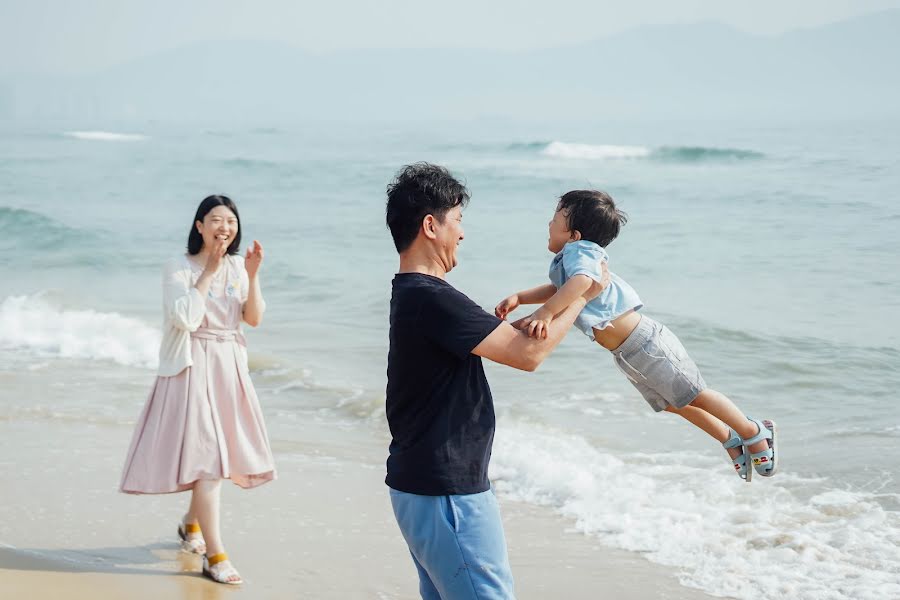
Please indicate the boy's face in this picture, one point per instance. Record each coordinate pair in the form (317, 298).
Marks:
(559, 232)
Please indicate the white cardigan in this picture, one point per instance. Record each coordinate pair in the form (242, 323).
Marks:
(183, 310)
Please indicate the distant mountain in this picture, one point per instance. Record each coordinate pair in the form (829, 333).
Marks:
(846, 69)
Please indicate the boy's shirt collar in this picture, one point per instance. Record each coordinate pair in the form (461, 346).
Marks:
(584, 246)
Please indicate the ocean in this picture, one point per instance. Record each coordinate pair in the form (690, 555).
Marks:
(771, 249)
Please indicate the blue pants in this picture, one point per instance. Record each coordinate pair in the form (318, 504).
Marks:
(457, 544)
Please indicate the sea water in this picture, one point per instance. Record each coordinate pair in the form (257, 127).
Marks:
(772, 250)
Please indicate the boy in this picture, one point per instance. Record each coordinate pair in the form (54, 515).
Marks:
(650, 356)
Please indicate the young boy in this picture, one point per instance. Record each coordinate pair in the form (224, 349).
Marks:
(650, 356)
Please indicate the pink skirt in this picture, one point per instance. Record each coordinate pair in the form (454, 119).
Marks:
(204, 423)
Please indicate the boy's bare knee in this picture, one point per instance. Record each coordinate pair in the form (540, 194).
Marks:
(699, 400)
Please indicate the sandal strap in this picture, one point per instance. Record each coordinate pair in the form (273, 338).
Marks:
(216, 559)
(763, 460)
(733, 441)
(191, 527)
(764, 433)
(767, 453)
(226, 570)
(191, 538)
(740, 462)
(219, 569)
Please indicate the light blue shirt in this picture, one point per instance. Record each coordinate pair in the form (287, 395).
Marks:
(584, 258)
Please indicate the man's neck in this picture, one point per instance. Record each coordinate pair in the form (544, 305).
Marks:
(413, 262)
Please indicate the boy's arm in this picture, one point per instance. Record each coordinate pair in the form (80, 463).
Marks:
(536, 295)
(514, 348)
(537, 324)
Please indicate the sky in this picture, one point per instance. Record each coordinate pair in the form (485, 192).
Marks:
(75, 37)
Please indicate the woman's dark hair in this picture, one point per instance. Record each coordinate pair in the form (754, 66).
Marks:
(418, 190)
(195, 240)
(594, 214)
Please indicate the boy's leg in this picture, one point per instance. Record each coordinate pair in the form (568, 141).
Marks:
(702, 419)
(708, 423)
(721, 407)
(457, 543)
(665, 367)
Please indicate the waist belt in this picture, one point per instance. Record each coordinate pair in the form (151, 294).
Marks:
(220, 335)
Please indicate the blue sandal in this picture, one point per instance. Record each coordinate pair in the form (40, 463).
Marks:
(739, 461)
(766, 462)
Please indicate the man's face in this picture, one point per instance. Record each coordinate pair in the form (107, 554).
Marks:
(449, 235)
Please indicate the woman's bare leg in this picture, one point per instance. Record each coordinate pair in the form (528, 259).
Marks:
(205, 508)
(205, 502)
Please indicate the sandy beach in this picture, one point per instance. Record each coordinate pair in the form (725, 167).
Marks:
(324, 529)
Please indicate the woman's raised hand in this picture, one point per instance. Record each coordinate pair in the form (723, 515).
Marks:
(253, 259)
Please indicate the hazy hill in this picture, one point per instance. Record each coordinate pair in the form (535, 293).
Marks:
(684, 71)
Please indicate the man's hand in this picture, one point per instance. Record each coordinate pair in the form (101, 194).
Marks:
(597, 288)
(506, 306)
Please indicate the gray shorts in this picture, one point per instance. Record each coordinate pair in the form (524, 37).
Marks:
(656, 363)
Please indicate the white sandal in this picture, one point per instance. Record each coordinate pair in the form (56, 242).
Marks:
(218, 568)
(193, 544)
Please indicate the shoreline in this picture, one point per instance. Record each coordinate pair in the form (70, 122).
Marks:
(324, 529)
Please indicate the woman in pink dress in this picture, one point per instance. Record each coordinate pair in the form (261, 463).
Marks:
(202, 422)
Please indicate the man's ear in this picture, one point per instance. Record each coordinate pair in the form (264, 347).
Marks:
(428, 227)
(576, 235)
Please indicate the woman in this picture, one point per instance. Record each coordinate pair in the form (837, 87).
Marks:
(202, 422)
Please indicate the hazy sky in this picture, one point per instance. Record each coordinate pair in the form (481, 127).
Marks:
(70, 36)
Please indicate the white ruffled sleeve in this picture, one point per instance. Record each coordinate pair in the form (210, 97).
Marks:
(185, 306)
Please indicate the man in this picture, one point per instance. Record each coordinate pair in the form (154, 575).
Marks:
(439, 405)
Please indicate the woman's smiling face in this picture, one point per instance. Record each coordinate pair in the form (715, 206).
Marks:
(219, 223)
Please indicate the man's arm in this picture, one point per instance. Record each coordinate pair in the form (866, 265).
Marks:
(509, 346)
(537, 323)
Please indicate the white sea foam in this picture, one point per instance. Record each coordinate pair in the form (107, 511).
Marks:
(763, 540)
(34, 325)
(105, 136)
(678, 154)
(593, 152)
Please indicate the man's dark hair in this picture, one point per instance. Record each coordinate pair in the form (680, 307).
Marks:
(594, 214)
(418, 190)
(195, 240)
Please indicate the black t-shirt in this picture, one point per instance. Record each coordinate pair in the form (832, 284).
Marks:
(439, 405)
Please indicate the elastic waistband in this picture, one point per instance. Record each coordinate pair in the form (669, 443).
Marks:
(220, 335)
(641, 333)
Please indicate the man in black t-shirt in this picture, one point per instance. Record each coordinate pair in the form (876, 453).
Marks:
(439, 405)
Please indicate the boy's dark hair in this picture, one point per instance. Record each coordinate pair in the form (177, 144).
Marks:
(594, 214)
(418, 190)
(195, 240)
